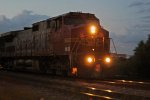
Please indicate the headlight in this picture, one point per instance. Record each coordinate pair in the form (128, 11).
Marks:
(107, 59)
(93, 30)
(90, 59)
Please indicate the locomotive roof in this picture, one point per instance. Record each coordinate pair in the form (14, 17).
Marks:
(52, 18)
(77, 13)
(9, 33)
(68, 14)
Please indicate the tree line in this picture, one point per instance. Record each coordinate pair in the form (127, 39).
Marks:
(138, 65)
(141, 58)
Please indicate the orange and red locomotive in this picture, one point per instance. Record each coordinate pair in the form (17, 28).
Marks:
(72, 44)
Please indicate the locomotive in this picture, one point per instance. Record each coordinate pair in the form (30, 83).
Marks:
(71, 44)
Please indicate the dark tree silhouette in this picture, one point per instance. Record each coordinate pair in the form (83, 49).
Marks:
(138, 65)
(142, 58)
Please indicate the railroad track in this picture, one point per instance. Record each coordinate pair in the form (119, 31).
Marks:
(93, 90)
(142, 85)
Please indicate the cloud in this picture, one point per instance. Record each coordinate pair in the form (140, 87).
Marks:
(143, 13)
(146, 17)
(139, 3)
(144, 10)
(24, 19)
(135, 4)
(126, 43)
(138, 28)
(146, 20)
(5, 23)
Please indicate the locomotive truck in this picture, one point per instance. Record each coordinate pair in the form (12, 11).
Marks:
(72, 44)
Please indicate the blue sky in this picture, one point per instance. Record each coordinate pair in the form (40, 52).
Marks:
(127, 20)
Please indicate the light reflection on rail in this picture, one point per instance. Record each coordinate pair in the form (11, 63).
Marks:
(94, 95)
(127, 81)
(92, 88)
(139, 82)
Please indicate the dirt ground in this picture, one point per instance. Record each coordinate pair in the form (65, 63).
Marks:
(20, 91)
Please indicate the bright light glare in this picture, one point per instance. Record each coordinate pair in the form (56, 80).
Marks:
(123, 80)
(89, 59)
(93, 29)
(74, 70)
(108, 60)
(140, 82)
(108, 90)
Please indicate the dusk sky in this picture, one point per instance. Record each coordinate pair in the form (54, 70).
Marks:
(128, 21)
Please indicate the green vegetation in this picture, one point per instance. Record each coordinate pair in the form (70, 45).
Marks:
(137, 66)
(142, 58)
